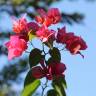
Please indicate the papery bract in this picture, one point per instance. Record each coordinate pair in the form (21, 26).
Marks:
(56, 69)
(75, 44)
(63, 36)
(39, 19)
(42, 13)
(54, 15)
(37, 72)
(53, 70)
(32, 26)
(43, 18)
(40, 71)
(15, 46)
(44, 33)
(20, 25)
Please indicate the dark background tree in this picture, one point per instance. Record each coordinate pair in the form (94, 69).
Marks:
(11, 73)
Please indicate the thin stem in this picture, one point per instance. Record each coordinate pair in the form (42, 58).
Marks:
(32, 44)
(27, 51)
(63, 49)
(44, 50)
(43, 88)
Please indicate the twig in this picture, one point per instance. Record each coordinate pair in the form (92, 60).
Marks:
(27, 51)
(43, 88)
(32, 44)
(44, 50)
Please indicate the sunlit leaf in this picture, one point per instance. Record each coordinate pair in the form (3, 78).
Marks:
(31, 36)
(59, 86)
(30, 88)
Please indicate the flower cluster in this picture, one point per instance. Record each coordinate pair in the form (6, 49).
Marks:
(53, 16)
(55, 69)
(73, 43)
(40, 29)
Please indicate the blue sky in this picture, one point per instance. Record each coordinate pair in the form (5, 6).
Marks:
(80, 73)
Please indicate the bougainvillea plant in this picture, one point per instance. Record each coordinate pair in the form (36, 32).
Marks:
(41, 65)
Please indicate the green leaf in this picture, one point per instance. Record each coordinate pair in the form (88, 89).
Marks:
(30, 82)
(30, 88)
(49, 44)
(64, 82)
(50, 61)
(52, 92)
(29, 78)
(59, 85)
(35, 57)
(31, 36)
(55, 53)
